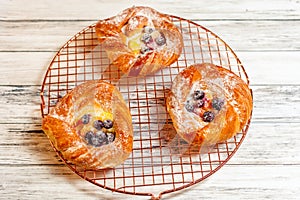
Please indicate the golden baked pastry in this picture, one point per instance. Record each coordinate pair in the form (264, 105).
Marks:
(208, 104)
(140, 40)
(91, 126)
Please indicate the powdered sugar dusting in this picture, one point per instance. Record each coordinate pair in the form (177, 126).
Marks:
(127, 28)
(216, 84)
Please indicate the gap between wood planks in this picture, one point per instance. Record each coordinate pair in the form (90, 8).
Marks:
(191, 19)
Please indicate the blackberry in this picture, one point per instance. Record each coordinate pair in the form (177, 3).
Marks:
(198, 94)
(100, 139)
(98, 124)
(146, 38)
(160, 40)
(208, 116)
(85, 119)
(217, 103)
(200, 103)
(108, 124)
(111, 137)
(89, 137)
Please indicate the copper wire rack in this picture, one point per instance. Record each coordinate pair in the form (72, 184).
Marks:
(157, 165)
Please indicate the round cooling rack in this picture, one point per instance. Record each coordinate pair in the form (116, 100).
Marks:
(160, 162)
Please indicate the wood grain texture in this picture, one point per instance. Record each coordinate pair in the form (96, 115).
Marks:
(274, 145)
(56, 182)
(262, 67)
(95, 9)
(272, 104)
(264, 34)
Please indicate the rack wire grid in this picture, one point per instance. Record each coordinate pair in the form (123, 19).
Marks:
(160, 162)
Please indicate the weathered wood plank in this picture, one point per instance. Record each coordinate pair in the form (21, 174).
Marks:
(93, 9)
(265, 144)
(240, 35)
(272, 104)
(29, 68)
(231, 182)
(274, 67)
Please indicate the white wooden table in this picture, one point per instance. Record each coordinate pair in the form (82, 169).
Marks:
(264, 34)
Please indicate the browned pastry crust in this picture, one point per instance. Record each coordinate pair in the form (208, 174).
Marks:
(208, 104)
(125, 38)
(73, 126)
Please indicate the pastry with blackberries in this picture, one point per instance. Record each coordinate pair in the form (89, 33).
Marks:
(208, 104)
(91, 126)
(140, 40)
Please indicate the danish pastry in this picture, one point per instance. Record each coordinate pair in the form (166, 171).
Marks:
(140, 40)
(91, 126)
(208, 104)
